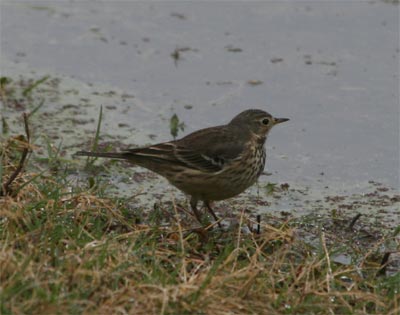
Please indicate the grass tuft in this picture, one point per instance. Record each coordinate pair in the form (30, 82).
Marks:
(67, 250)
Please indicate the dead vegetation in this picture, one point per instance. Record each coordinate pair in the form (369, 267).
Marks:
(67, 250)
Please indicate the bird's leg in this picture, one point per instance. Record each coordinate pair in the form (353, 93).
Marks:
(193, 204)
(207, 204)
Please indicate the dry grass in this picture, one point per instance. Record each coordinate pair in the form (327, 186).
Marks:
(67, 250)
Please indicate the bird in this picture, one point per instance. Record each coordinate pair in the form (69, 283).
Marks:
(210, 164)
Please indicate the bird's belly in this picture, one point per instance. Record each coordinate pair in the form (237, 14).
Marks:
(218, 186)
(213, 189)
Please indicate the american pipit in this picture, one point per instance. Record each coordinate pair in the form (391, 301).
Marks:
(210, 164)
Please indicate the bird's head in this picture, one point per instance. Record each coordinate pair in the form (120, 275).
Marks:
(256, 121)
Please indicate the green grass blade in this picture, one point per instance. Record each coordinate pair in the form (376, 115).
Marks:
(30, 88)
(95, 145)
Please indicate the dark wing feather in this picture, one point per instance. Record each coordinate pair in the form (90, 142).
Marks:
(208, 150)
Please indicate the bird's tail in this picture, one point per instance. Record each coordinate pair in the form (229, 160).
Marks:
(111, 155)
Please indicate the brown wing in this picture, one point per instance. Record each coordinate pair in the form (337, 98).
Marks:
(208, 150)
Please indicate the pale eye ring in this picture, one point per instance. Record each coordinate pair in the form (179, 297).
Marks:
(265, 121)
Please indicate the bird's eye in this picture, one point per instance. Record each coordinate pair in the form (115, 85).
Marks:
(265, 121)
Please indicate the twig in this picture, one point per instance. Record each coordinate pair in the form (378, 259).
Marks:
(6, 187)
(351, 225)
(382, 269)
(258, 223)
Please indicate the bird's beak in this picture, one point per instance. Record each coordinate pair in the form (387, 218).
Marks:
(280, 120)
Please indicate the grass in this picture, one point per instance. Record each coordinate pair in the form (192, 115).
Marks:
(90, 161)
(67, 250)
(73, 250)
